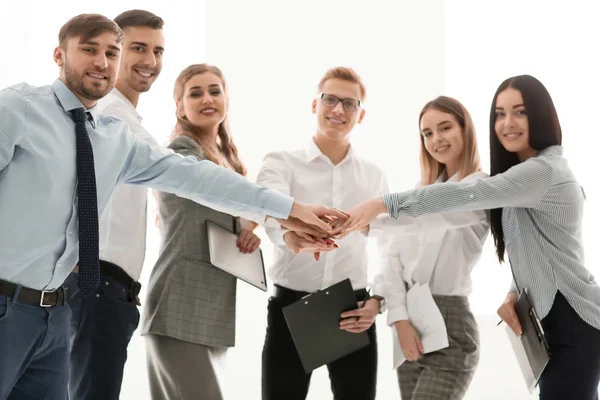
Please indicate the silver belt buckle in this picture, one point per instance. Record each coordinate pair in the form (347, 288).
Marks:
(42, 299)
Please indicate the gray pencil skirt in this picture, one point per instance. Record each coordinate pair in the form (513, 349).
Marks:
(180, 370)
(445, 374)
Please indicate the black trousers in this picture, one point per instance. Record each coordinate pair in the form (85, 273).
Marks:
(352, 377)
(574, 368)
(101, 327)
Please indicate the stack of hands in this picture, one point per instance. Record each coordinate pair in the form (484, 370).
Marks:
(314, 229)
(311, 228)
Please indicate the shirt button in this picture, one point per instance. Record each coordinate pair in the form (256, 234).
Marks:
(70, 233)
(58, 265)
(471, 196)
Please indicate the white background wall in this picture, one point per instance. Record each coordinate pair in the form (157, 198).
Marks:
(273, 54)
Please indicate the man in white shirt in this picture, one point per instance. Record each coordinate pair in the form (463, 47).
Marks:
(329, 172)
(103, 324)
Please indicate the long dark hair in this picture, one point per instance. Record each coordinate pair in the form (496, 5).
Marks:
(544, 131)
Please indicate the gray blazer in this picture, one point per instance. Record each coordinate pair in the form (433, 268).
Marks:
(187, 297)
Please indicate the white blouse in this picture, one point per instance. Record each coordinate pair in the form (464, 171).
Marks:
(439, 249)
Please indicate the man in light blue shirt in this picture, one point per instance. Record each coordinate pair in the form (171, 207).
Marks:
(103, 324)
(39, 236)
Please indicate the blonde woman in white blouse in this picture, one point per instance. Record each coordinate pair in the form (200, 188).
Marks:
(440, 250)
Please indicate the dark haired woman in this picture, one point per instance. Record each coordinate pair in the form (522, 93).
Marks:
(536, 217)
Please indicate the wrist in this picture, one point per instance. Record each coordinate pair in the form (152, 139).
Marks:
(374, 301)
(511, 298)
(380, 302)
(379, 205)
(247, 225)
(294, 210)
(286, 236)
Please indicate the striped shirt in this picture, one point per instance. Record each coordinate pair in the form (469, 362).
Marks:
(542, 223)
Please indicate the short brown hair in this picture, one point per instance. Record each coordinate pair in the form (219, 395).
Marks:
(345, 74)
(87, 26)
(139, 18)
(469, 163)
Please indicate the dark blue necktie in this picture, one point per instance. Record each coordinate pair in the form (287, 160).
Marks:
(89, 269)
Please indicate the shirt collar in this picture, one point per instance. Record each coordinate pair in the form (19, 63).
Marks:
(453, 178)
(130, 107)
(313, 152)
(551, 150)
(69, 101)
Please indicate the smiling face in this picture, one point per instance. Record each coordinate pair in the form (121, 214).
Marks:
(512, 123)
(335, 121)
(204, 102)
(442, 138)
(141, 60)
(89, 68)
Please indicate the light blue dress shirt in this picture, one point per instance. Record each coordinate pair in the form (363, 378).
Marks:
(39, 238)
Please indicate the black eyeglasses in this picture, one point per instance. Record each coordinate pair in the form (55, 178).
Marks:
(329, 100)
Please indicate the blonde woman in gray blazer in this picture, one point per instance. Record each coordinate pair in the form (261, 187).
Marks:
(189, 317)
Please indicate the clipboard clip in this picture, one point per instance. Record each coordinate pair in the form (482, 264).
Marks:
(309, 294)
(306, 296)
(537, 325)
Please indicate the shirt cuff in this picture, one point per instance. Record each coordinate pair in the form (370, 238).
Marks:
(276, 235)
(394, 202)
(260, 219)
(378, 290)
(280, 236)
(378, 286)
(513, 286)
(397, 313)
(278, 204)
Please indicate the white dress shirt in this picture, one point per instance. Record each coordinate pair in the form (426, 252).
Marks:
(439, 249)
(123, 223)
(310, 176)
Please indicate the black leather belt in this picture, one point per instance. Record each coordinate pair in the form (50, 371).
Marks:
(40, 298)
(118, 274)
(289, 295)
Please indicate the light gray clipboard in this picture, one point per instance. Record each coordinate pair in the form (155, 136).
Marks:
(531, 348)
(225, 255)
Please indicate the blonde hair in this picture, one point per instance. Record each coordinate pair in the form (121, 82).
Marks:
(225, 144)
(431, 169)
(345, 74)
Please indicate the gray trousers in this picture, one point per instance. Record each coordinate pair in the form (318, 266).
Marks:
(445, 374)
(180, 370)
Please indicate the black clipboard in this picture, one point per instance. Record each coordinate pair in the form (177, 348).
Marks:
(533, 341)
(314, 321)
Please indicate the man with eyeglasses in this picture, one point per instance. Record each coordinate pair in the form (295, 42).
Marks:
(328, 171)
